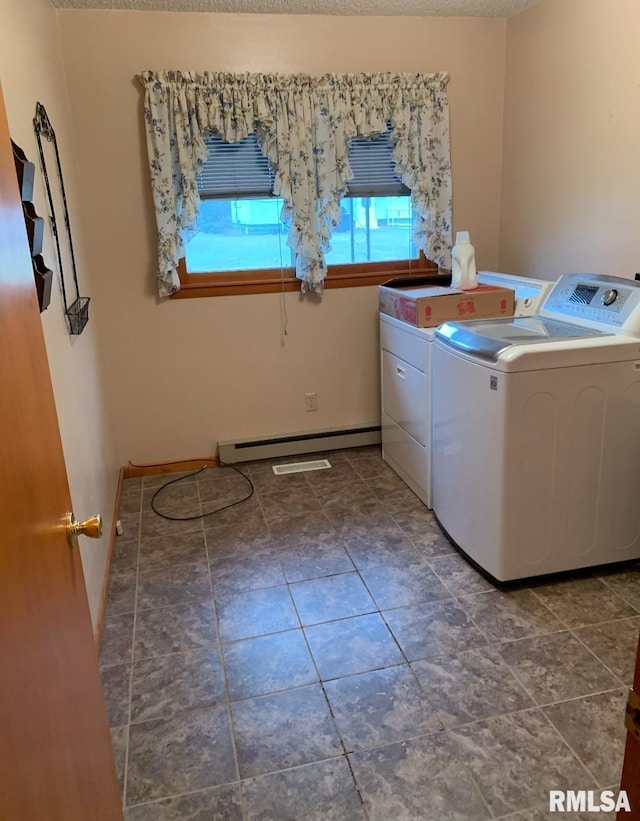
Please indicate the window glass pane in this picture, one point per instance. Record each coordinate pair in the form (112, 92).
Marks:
(372, 229)
(246, 234)
(238, 235)
(239, 225)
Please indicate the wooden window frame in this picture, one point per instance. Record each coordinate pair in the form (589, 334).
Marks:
(276, 280)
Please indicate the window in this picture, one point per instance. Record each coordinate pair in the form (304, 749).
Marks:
(241, 244)
(233, 106)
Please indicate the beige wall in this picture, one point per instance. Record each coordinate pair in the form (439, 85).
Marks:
(184, 374)
(31, 69)
(571, 171)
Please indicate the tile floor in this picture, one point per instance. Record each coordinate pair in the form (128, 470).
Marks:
(321, 652)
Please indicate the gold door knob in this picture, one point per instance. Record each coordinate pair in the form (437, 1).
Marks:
(91, 527)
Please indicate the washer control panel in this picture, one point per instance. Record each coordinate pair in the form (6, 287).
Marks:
(596, 300)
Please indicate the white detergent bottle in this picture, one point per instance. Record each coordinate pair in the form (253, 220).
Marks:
(463, 263)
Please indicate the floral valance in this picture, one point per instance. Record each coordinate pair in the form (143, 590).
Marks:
(304, 126)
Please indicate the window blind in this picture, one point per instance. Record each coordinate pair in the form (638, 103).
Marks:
(237, 170)
(370, 161)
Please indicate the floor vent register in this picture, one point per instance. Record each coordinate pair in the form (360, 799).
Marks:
(301, 467)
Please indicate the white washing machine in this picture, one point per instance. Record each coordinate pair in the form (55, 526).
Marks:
(536, 432)
(405, 353)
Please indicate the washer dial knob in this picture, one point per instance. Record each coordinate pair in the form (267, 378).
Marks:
(609, 297)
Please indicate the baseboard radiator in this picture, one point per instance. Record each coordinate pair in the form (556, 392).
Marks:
(274, 447)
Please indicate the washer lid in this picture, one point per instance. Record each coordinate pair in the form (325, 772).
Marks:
(488, 338)
(529, 293)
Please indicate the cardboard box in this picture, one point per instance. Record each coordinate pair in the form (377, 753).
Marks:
(430, 305)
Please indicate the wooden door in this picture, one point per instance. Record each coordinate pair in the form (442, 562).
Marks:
(631, 768)
(55, 751)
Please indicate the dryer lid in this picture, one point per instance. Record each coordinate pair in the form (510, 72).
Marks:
(488, 338)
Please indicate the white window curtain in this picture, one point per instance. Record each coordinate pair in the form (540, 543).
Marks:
(304, 126)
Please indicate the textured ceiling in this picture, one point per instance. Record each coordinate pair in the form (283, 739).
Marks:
(420, 8)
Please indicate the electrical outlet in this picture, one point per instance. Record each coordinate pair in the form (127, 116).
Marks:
(311, 401)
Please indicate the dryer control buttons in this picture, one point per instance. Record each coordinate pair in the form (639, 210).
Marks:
(609, 297)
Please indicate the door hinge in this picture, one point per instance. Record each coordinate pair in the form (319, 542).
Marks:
(632, 714)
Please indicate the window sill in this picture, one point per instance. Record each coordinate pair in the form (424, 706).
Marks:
(272, 282)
